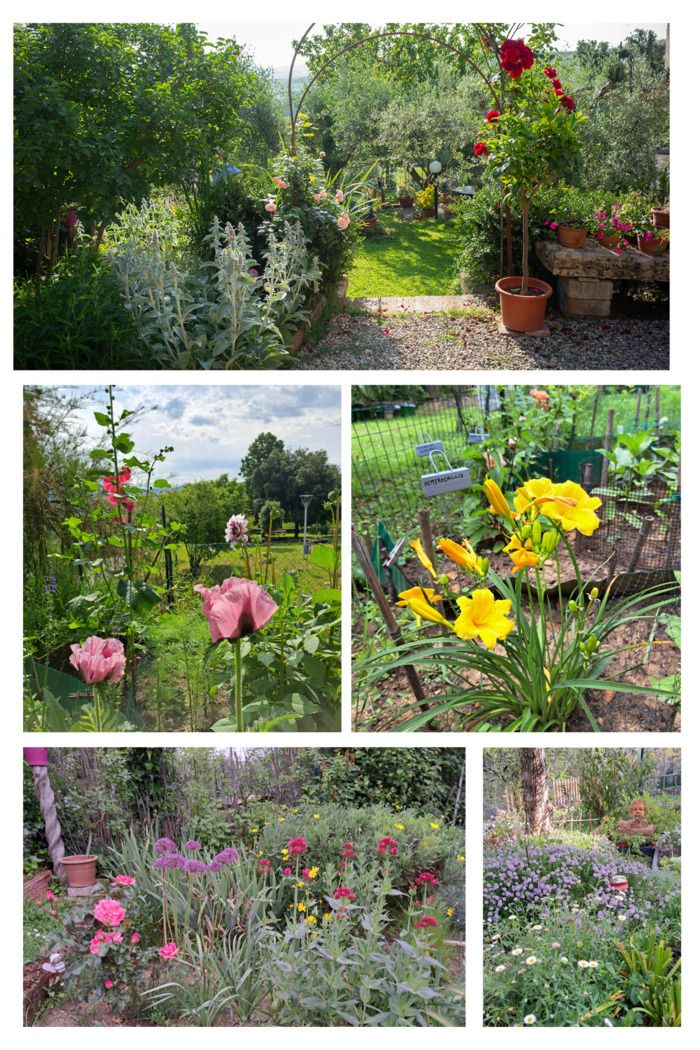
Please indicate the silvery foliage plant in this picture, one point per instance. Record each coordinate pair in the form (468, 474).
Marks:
(220, 314)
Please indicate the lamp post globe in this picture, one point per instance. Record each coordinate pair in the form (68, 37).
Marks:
(435, 167)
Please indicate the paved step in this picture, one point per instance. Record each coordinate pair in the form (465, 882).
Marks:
(417, 304)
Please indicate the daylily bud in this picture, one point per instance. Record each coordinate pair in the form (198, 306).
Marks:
(497, 500)
(593, 593)
(443, 579)
(572, 606)
(536, 534)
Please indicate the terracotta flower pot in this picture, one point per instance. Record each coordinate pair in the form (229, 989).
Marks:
(523, 313)
(652, 246)
(37, 886)
(661, 217)
(572, 236)
(80, 870)
(609, 242)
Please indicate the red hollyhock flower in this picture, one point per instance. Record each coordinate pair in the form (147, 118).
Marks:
(516, 56)
(297, 846)
(426, 921)
(493, 115)
(388, 845)
(344, 892)
(550, 72)
(481, 149)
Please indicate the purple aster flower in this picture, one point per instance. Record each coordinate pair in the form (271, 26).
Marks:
(193, 844)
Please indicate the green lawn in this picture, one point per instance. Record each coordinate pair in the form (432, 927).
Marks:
(412, 258)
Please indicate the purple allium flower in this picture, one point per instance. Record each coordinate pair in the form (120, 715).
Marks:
(164, 846)
(228, 855)
(214, 865)
(194, 867)
(193, 844)
(169, 860)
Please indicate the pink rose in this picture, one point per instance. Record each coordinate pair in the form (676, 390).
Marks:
(118, 938)
(99, 659)
(344, 221)
(271, 207)
(280, 183)
(135, 938)
(123, 880)
(109, 912)
(340, 196)
(235, 609)
(168, 951)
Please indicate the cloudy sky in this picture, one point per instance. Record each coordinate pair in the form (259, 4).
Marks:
(271, 42)
(211, 427)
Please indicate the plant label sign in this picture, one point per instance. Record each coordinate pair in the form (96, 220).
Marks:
(426, 448)
(445, 481)
(476, 439)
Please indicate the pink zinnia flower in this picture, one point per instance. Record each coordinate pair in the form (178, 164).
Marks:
(99, 659)
(123, 880)
(344, 221)
(297, 846)
(236, 529)
(169, 950)
(109, 912)
(271, 207)
(235, 609)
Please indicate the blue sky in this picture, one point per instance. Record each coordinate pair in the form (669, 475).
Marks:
(211, 427)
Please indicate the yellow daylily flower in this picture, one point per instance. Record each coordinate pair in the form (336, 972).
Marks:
(423, 558)
(521, 554)
(484, 617)
(572, 507)
(462, 554)
(529, 495)
(497, 500)
(420, 607)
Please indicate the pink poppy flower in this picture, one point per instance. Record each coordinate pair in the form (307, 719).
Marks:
(169, 950)
(99, 659)
(109, 912)
(235, 609)
(344, 221)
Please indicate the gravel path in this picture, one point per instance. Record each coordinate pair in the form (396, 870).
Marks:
(470, 339)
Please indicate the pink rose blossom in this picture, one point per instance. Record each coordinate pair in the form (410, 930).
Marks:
(280, 183)
(109, 912)
(344, 221)
(99, 659)
(235, 609)
(135, 938)
(271, 207)
(118, 938)
(340, 196)
(169, 950)
(123, 880)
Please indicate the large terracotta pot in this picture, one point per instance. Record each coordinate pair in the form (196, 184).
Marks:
(406, 202)
(653, 246)
(661, 217)
(80, 870)
(609, 242)
(523, 313)
(572, 236)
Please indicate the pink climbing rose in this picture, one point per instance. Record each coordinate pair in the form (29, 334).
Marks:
(344, 221)
(235, 609)
(99, 659)
(135, 937)
(169, 950)
(271, 207)
(109, 912)
(280, 183)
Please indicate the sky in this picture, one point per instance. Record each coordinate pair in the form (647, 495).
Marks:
(211, 427)
(271, 42)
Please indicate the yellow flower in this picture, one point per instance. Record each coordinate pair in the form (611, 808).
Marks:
(316, 816)
(450, 912)
(483, 617)
(435, 826)
(284, 852)
(400, 827)
(253, 831)
(420, 606)
(327, 916)
(281, 819)
(528, 495)
(462, 554)
(565, 503)
(295, 811)
(283, 806)
(300, 885)
(522, 555)
(423, 558)
(313, 872)
(301, 906)
(260, 853)
(460, 856)
(497, 500)
(311, 919)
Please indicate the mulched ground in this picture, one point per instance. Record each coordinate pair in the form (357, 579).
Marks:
(472, 341)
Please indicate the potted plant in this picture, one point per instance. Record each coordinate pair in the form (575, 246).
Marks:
(652, 240)
(405, 194)
(610, 228)
(530, 144)
(425, 200)
(573, 215)
(81, 868)
(661, 217)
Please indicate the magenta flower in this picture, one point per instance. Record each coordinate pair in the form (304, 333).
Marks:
(426, 878)
(109, 912)
(135, 938)
(193, 844)
(235, 609)
(123, 880)
(99, 659)
(169, 950)
(297, 846)
(164, 846)
(109, 984)
(426, 921)
(344, 892)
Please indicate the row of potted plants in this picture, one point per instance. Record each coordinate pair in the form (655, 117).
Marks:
(575, 216)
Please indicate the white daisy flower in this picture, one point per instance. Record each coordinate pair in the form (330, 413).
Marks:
(517, 951)
(529, 1019)
(500, 968)
(531, 960)
(583, 964)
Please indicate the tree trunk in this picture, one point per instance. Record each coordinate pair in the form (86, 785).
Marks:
(538, 810)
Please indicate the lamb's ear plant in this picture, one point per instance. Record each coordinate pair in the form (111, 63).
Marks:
(552, 646)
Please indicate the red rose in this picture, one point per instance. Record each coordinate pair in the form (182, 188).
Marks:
(550, 72)
(516, 56)
(481, 149)
(568, 103)
(556, 83)
(492, 115)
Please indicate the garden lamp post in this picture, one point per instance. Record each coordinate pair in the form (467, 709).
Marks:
(435, 168)
(305, 499)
